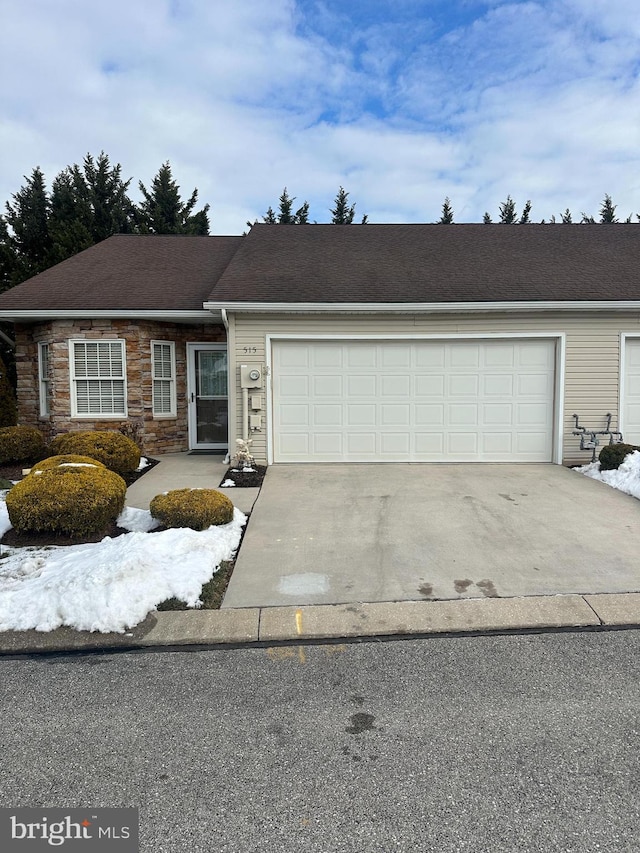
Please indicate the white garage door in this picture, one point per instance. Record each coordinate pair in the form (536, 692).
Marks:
(631, 410)
(413, 401)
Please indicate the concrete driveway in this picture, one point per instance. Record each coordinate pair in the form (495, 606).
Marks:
(329, 534)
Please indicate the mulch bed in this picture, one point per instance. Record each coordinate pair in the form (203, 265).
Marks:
(246, 479)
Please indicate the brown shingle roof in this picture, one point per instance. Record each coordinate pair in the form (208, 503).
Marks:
(129, 273)
(433, 263)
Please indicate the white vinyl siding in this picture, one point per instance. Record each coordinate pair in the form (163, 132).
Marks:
(98, 378)
(588, 380)
(44, 387)
(163, 371)
(413, 401)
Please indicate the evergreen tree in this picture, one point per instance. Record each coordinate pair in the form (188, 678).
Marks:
(28, 218)
(111, 208)
(508, 215)
(608, 211)
(71, 218)
(587, 220)
(285, 214)
(486, 219)
(269, 217)
(8, 259)
(447, 212)
(162, 210)
(524, 219)
(341, 212)
(302, 214)
(567, 219)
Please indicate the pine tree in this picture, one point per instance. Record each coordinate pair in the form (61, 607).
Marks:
(301, 216)
(28, 218)
(524, 219)
(486, 219)
(162, 210)
(567, 219)
(8, 260)
(586, 220)
(508, 213)
(608, 211)
(447, 212)
(285, 214)
(112, 210)
(269, 217)
(341, 213)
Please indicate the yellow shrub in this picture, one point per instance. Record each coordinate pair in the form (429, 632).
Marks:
(194, 508)
(67, 460)
(116, 451)
(20, 444)
(66, 500)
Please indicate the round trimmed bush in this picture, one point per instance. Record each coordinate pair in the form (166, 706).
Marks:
(613, 455)
(68, 460)
(194, 508)
(117, 452)
(67, 501)
(20, 444)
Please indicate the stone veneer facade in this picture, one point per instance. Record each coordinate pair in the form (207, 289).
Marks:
(158, 435)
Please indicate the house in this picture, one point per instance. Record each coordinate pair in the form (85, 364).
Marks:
(326, 343)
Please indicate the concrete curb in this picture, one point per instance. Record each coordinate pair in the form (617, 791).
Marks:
(247, 626)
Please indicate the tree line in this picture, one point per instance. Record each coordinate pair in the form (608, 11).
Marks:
(87, 203)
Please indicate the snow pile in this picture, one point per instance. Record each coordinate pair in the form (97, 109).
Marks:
(228, 484)
(626, 478)
(111, 585)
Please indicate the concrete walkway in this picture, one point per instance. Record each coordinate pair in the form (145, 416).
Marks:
(187, 471)
(329, 534)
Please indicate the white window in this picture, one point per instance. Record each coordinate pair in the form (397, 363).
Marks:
(98, 378)
(43, 380)
(163, 371)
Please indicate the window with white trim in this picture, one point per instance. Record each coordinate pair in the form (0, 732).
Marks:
(98, 378)
(43, 380)
(163, 372)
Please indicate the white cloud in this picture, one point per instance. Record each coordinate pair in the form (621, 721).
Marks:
(537, 99)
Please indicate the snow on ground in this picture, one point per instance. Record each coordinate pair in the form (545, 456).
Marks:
(626, 478)
(113, 584)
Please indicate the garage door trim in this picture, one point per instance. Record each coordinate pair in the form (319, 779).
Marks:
(558, 337)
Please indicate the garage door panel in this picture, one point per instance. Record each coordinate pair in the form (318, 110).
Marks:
(327, 385)
(415, 400)
(359, 385)
(463, 385)
(329, 355)
(327, 415)
(429, 386)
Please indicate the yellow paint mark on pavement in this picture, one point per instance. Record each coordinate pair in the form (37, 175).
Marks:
(299, 621)
(301, 655)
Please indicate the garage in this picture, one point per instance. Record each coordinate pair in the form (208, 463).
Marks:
(471, 400)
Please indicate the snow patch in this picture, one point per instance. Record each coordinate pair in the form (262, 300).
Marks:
(625, 479)
(227, 484)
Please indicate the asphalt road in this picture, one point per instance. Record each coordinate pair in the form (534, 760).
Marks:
(478, 744)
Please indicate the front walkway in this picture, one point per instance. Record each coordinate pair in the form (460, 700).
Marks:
(186, 471)
(330, 534)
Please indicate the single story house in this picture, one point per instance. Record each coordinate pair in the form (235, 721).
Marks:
(330, 343)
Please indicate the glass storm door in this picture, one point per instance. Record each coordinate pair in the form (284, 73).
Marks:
(208, 400)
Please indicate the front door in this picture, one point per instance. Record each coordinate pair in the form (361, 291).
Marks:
(208, 401)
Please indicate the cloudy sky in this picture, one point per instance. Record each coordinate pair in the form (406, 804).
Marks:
(403, 102)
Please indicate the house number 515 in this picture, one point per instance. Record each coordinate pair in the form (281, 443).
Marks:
(250, 350)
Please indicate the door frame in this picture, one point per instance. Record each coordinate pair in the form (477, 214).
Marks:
(192, 349)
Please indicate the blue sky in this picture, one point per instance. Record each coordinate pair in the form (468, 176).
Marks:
(401, 102)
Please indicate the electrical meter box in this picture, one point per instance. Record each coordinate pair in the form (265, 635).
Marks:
(250, 376)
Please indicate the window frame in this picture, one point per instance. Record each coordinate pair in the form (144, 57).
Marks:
(73, 380)
(173, 413)
(44, 380)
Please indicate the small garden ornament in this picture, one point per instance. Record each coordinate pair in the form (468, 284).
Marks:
(243, 457)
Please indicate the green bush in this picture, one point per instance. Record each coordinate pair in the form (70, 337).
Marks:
(116, 451)
(194, 508)
(613, 455)
(73, 502)
(20, 444)
(68, 460)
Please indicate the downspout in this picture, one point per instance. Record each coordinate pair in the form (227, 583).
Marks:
(225, 321)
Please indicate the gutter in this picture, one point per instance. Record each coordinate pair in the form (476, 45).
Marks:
(201, 315)
(419, 307)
